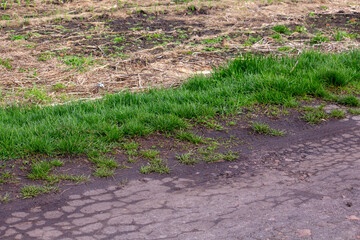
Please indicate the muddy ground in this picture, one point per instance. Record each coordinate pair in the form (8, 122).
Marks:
(53, 52)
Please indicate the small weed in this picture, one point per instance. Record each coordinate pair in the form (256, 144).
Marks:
(156, 165)
(339, 35)
(231, 123)
(40, 170)
(130, 146)
(103, 172)
(337, 113)
(214, 40)
(300, 29)
(5, 176)
(190, 137)
(349, 101)
(45, 56)
(57, 163)
(354, 111)
(251, 40)
(314, 115)
(284, 49)
(230, 156)
(277, 37)
(186, 158)
(136, 28)
(6, 198)
(30, 191)
(282, 29)
(263, 128)
(36, 94)
(77, 62)
(6, 63)
(58, 87)
(105, 162)
(319, 38)
(216, 157)
(19, 37)
(150, 154)
(131, 154)
(118, 39)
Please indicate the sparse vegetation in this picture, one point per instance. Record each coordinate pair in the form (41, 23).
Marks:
(189, 136)
(187, 158)
(337, 113)
(30, 191)
(349, 101)
(157, 165)
(314, 115)
(263, 128)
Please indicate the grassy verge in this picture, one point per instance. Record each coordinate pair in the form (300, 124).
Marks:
(81, 128)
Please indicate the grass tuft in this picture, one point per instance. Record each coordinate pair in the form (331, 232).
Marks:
(103, 172)
(30, 191)
(354, 111)
(263, 128)
(337, 113)
(190, 137)
(157, 165)
(349, 101)
(150, 154)
(314, 115)
(187, 158)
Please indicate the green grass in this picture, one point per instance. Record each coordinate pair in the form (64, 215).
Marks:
(314, 115)
(157, 165)
(263, 128)
(83, 127)
(282, 29)
(186, 158)
(78, 62)
(30, 191)
(190, 137)
(354, 111)
(6, 63)
(337, 113)
(319, 38)
(150, 154)
(103, 172)
(349, 101)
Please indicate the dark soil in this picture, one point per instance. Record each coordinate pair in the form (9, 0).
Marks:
(349, 22)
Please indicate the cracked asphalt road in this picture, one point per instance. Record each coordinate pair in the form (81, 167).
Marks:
(310, 190)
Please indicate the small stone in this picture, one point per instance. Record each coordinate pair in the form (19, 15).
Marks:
(304, 232)
(353, 218)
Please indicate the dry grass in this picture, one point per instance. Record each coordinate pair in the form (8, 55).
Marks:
(146, 67)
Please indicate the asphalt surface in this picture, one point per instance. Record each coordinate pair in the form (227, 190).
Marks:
(309, 190)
